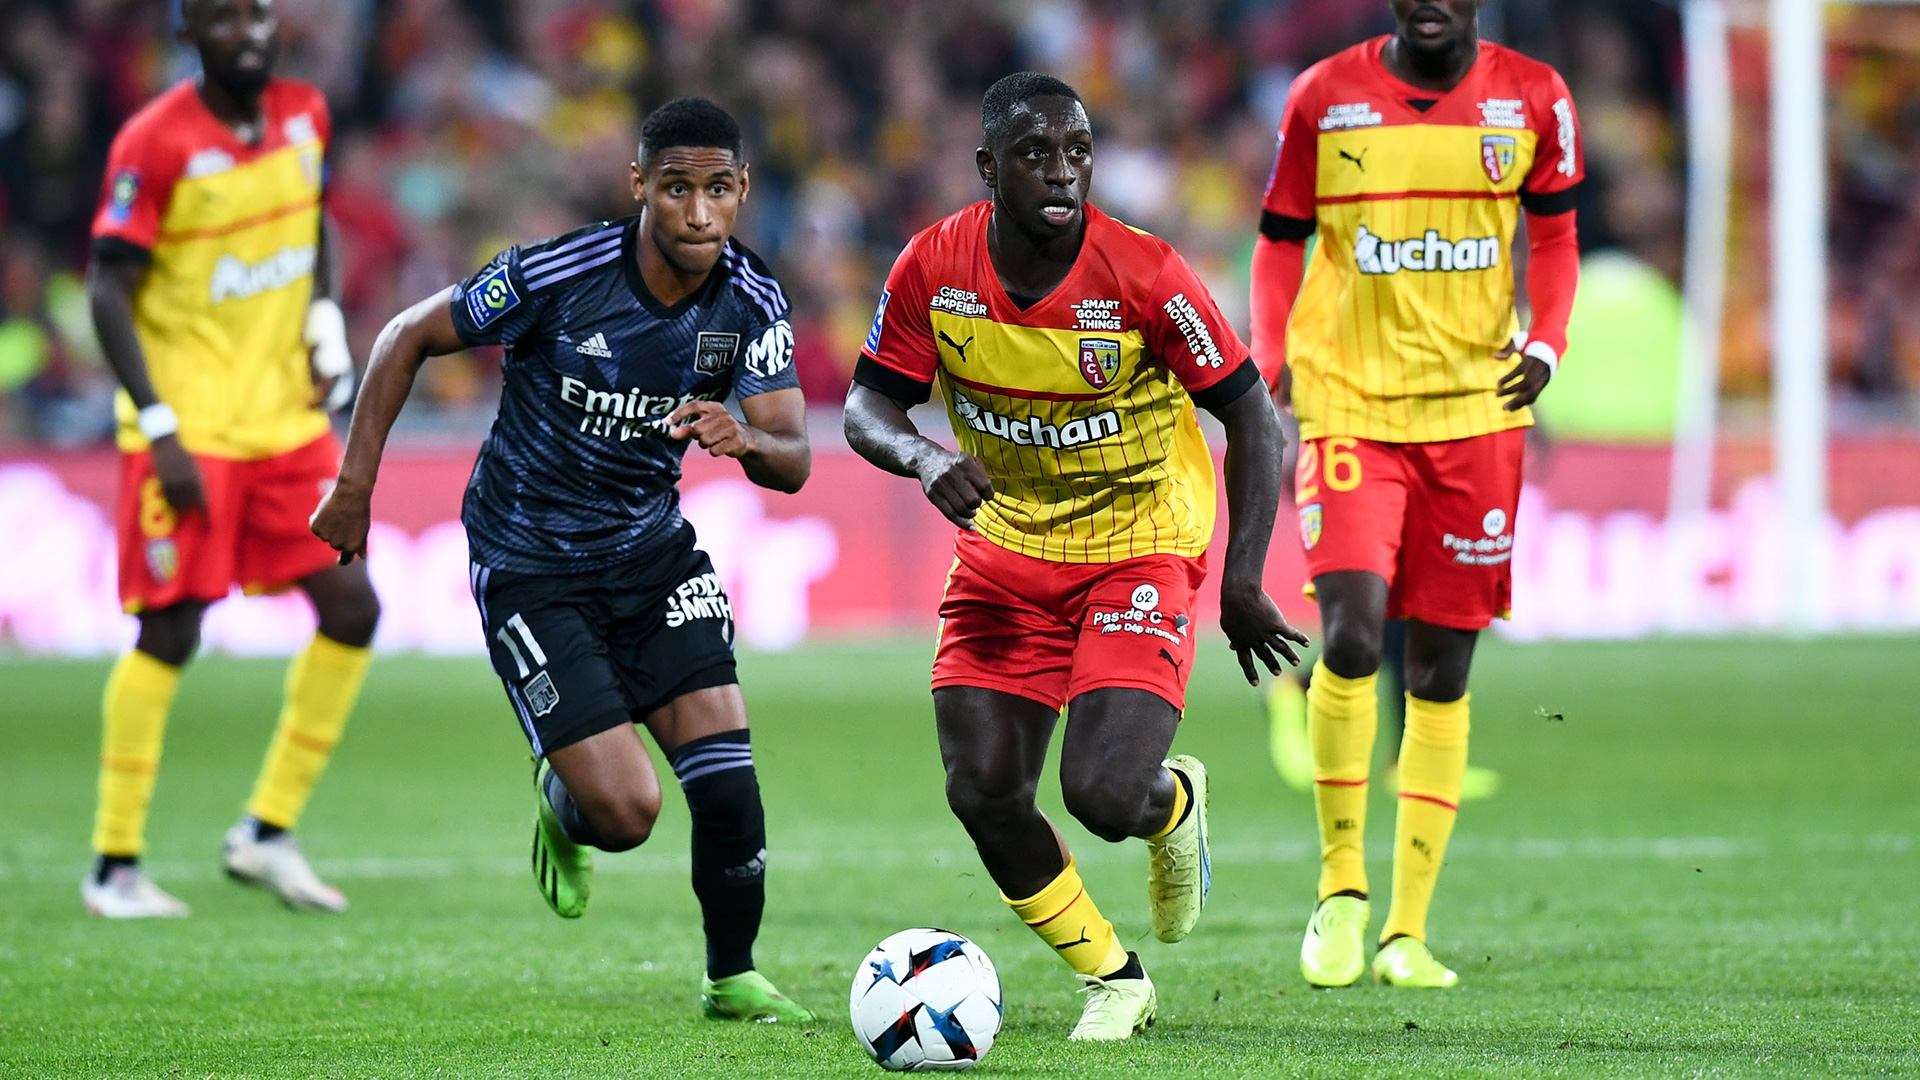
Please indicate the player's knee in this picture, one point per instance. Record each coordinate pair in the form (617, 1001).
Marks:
(979, 797)
(351, 619)
(171, 635)
(1351, 654)
(1436, 684)
(1109, 806)
(625, 823)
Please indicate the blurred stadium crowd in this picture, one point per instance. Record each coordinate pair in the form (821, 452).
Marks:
(466, 125)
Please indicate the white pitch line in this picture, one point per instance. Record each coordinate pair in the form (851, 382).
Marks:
(838, 858)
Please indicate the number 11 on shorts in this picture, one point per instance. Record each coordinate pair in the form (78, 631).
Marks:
(516, 623)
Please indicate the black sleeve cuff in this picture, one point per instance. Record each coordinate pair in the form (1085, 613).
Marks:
(876, 376)
(1227, 390)
(1280, 227)
(1553, 202)
(112, 249)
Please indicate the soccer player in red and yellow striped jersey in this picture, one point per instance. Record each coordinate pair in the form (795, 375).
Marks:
(1071, 351)
(1412, 157)
(209, 289)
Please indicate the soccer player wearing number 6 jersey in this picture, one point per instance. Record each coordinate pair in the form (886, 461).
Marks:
(1071, 351)
(1413, 158)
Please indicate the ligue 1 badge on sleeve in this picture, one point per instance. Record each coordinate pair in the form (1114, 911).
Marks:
(713, 353)
(1496, 155)
(1099, 360)
(126, 188)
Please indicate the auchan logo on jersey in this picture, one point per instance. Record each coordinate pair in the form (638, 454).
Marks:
(237, 280)
(1378, 255)
(1029, 431)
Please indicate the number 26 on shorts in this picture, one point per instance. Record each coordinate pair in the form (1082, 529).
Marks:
(1335, 463)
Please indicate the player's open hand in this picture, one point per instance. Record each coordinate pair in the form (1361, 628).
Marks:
(344, 516)
(179, 475)
(1522, 386)
(957, 485)
(1255, 627)
(713, 427)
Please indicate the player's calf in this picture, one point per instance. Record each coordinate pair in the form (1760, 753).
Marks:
(729, 845)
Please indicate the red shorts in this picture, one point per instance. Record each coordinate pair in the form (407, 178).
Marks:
(1052, 631)
(1434, 519)
(253, 531)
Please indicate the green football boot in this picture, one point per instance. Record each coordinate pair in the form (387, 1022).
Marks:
(1333, 953)
(1287, 742)
(1179, 867)
(749, 996)
(562, 869)
(1406, 961)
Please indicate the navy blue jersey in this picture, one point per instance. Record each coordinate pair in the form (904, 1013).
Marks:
(578, 472)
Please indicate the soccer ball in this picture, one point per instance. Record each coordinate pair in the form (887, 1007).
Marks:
(925, 1000)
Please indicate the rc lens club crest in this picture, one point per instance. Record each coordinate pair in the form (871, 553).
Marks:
(1099, 360)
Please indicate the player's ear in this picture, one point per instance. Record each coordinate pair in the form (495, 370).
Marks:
(745, 183)
(983, 158)
(638, 180)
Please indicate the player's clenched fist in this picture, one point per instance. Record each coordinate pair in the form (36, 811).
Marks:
(956, 484)
(713, 427)
(344, 516)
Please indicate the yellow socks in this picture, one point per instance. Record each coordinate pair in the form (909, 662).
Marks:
(1180, 801)
(1433, 759)
(134, 713)
(322, 684)
(1065, 918)
(1342, 715)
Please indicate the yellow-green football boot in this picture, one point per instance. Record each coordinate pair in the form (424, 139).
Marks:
(749, 996)
(1334, 951)
(1406, 961)
(1179, 867)
(562, 869)
(1116, 1008)
(1287, 742)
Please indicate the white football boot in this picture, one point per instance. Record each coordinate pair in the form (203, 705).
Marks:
(277, 864)
(129, 894)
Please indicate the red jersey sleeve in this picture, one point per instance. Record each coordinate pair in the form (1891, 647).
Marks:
(1558, 164)
(1290, 188)
(142, 166)
(900, 358)
(1184, 329)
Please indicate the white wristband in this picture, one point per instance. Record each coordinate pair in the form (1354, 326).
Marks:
(1544, 353)
(326, 334)
(157, 421)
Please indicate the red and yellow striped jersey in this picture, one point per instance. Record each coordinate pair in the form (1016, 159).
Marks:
(1081, 405)
(232, 232)
(1416, 196)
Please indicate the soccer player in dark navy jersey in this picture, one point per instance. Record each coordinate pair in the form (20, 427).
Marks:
(624, 339)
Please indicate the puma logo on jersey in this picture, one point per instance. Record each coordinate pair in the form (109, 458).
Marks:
(1378, 255)
(595, 346)
(959, 347)
(1029, 431)
(236, 280)
(1359, 162)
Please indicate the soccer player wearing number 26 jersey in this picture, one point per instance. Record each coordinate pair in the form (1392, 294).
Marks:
(1071, 351)
(210, 289)
(1413, 157)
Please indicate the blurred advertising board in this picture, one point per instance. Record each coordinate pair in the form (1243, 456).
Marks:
(859, 552)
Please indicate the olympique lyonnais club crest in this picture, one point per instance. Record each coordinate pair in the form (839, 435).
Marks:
(1496, 155)
(1099, 360)
(1310, 525)
(714, 352)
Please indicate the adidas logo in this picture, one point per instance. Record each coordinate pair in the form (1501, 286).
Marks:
(595, 346)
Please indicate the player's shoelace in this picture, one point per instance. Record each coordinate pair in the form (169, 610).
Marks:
(1170, 866)
(1103, 998)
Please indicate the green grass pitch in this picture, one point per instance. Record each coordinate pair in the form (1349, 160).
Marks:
(1706, 868)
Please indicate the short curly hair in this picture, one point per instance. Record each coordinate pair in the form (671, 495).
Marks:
(1004, 98)
(689, 121)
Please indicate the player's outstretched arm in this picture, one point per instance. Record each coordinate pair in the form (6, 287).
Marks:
(879, 429)
(771, 445)
(1252, 621)
(423, 330)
